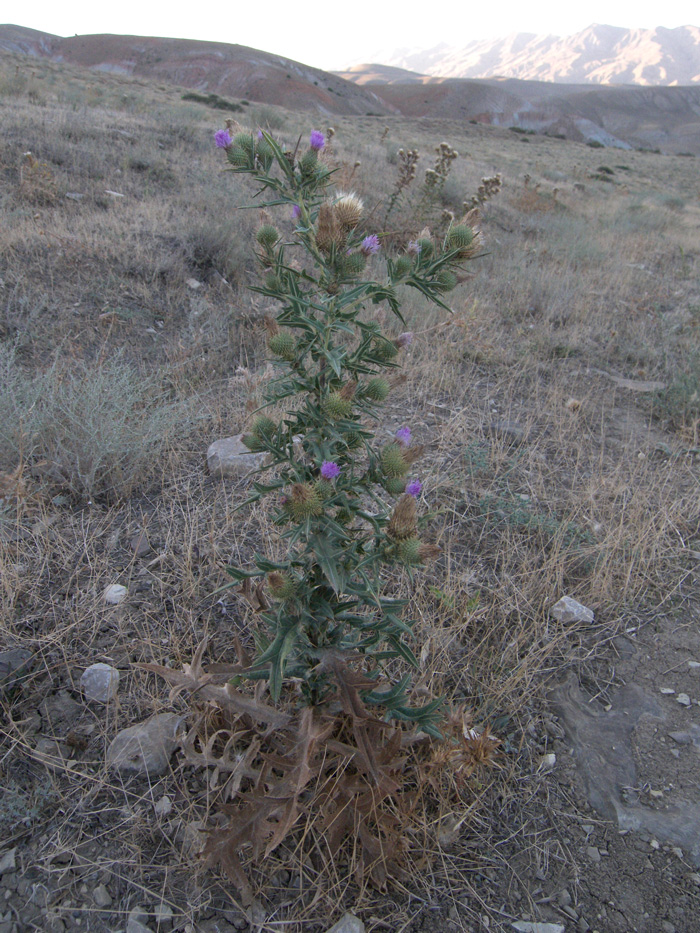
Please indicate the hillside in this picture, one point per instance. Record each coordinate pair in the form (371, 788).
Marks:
(228, 70)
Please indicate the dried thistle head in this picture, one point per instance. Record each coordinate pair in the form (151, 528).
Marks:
(348, 390)
(403, 522)
(304, 501)
(348, 210)
(329, 232)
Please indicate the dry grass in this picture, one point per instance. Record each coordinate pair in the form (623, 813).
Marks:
(593, 493)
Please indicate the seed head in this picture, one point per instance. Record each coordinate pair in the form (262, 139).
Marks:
(403, 521)
(348, 209)
(336, 407)
(267, 236)
(329, 232)
(281, 586)
(304, 502)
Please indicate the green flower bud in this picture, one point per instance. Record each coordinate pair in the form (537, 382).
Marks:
(308, 163)
(460, 237)
(377, 389)
(267, 236)
(245, 142)
(264, 427)
(281, 586)
(324, 488)
(273, 282)
(395, 485)
(402, 267)
(385, 350)
(283, 345)
(426, 247)
(336, 407)
(252, 443)
(304, 502)
(392, 461)
(409, 551)
(445, 280)
(353, 265)
(237, 157)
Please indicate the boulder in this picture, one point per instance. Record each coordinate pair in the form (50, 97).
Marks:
(230, 457)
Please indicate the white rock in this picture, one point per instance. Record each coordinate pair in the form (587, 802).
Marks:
(230, 457)
(100, 682)
(101, 896)
(547, 762)
(532, 926)
(568, 610)
(667, 691)
(683, 699)
(693, 665)
(194, 284)
(147, 747)
(135, 924)
(163, 806)
(115, 593)
(348, 923)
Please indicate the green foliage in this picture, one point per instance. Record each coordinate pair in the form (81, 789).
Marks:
(331, 357)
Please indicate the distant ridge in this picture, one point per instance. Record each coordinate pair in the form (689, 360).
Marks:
(229, 70)
(596, 55)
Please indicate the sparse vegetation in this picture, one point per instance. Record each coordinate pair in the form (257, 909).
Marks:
(555, 464)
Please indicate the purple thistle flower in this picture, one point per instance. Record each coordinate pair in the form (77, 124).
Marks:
(413, 248)
(370, 245)
(222, 139)
(296, 211)
(414, 488)
(317, 140)
(260, 134)
(403, 436)
(404, 340)
(329, 469)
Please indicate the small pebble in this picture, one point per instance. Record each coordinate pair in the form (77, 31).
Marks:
(593, 853)
(683, 699)
(693, 664)
(163, 806)
(115, 593)
(667, 691)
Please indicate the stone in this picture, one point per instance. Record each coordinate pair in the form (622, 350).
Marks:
(15, 664)
(136, 921)
(667, 691)
(100, 682)
(163, 916)
(115, 593)
(569, 610)
(101, 896)
(147, 747)
(230, 457)
(509, 430)
(8, 861)
(163, 806)
(348, 923)
(534, 926)
(194, 284)
(140, 544)
(683, 699)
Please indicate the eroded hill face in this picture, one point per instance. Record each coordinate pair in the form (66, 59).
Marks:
(229, 70)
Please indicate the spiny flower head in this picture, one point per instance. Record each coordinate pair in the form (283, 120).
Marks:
(403, 522)
(304, 502)
(370, 245)
(317, 140)
(414, 488)
(222, 139)
(348, 208)
(403, 436)
(329, 469)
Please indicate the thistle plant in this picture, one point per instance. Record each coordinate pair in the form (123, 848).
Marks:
(345, 497)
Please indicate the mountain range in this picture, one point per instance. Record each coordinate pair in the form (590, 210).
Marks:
(597, 55)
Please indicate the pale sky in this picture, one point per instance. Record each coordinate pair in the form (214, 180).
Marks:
(333, 35)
